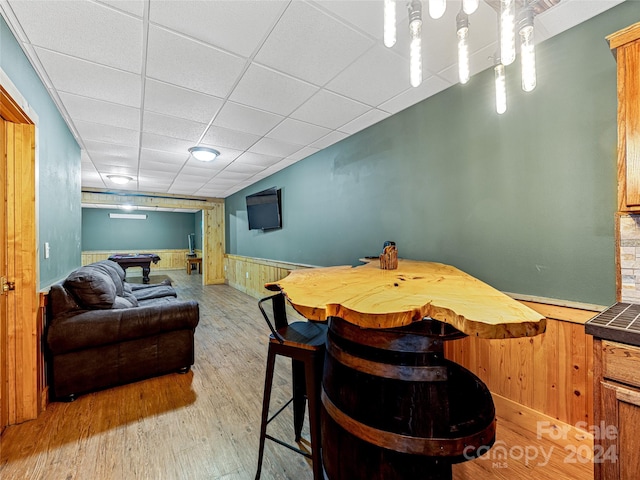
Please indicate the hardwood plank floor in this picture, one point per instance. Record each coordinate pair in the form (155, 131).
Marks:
(205, 424)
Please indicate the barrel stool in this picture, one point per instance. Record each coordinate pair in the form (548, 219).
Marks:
(304, 343)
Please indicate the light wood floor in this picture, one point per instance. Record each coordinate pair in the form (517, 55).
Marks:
(205, 425)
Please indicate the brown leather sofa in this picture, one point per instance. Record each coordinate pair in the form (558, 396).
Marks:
(103, 331)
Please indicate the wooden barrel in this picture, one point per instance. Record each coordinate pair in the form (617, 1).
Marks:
(394, 408)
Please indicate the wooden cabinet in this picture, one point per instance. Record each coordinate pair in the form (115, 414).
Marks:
(626, 47)
(617, 411)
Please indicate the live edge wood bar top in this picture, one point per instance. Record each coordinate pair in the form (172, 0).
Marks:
(370, 297)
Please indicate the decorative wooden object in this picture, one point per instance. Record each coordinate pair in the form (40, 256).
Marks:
(626, 46)
(389, 258)
(370, 297)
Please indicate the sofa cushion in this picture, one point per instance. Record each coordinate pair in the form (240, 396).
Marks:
(121, 302)
(91, 287)
(114, 271)
(156, 291)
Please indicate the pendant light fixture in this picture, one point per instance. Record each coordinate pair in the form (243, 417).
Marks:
(462, 27)
(507, 31)
(437, 8)
(527, 50)
(389, 23)
(415, 49)
(470, 6)
(508, 12)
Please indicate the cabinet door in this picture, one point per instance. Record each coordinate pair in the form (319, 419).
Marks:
(629, 93)
(618, 442)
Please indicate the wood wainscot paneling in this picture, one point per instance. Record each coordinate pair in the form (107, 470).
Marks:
(544, 384)
(249, 274)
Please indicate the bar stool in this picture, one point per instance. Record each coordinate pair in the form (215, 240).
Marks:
(304, 343)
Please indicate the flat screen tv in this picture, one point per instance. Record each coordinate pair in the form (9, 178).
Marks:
(263, 210)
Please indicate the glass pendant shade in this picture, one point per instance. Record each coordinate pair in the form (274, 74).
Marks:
(415, 49)
(462, 24)
(507, 31)
(437, 8)
(527, 52)
(470, 6)
(389, 23)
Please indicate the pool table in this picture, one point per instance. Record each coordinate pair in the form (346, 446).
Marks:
(126, 260)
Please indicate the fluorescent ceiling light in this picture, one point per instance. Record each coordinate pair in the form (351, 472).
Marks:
(128, 216)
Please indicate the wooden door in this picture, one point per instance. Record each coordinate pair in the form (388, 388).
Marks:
(19, 333)
(4, 359)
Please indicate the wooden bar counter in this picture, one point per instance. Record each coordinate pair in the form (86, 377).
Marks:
(393, 407)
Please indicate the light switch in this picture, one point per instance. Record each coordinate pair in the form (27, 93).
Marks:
(46, 249)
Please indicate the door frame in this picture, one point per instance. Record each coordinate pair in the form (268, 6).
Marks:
(20, 353)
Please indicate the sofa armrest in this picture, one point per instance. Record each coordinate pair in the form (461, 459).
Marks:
(90, 328)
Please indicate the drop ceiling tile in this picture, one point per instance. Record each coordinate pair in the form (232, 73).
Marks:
(216, 23)
(570, 13)
(113, 164)
(173, 127)
(276, 148)
(218, 182)
(244, 168)
(329, 139)
(108, 37)
(257, 159)
(92, 179)
(152, 141)
(329, 110)
(135, 7)
(366, 15)
(297, 132)
(228, 175)
(224, 137)
(97, 111)
(205, 173)
(88, 79)
(180, 102)
(363, 121)
(102, 148)
(184, 62)
(311, 45)
(301, 154)
(246, 119)
(161, 161)
(183, 189)
(374, 77)
(117, 169)
(430, 86)
(107, 133)
(268, 90)
(192, 182)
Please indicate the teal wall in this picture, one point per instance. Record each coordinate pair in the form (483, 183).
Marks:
(161, 230)
(198, 230)
(58, 167)
(524, 201)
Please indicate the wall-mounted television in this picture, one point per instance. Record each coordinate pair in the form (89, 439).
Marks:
(263, 210)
